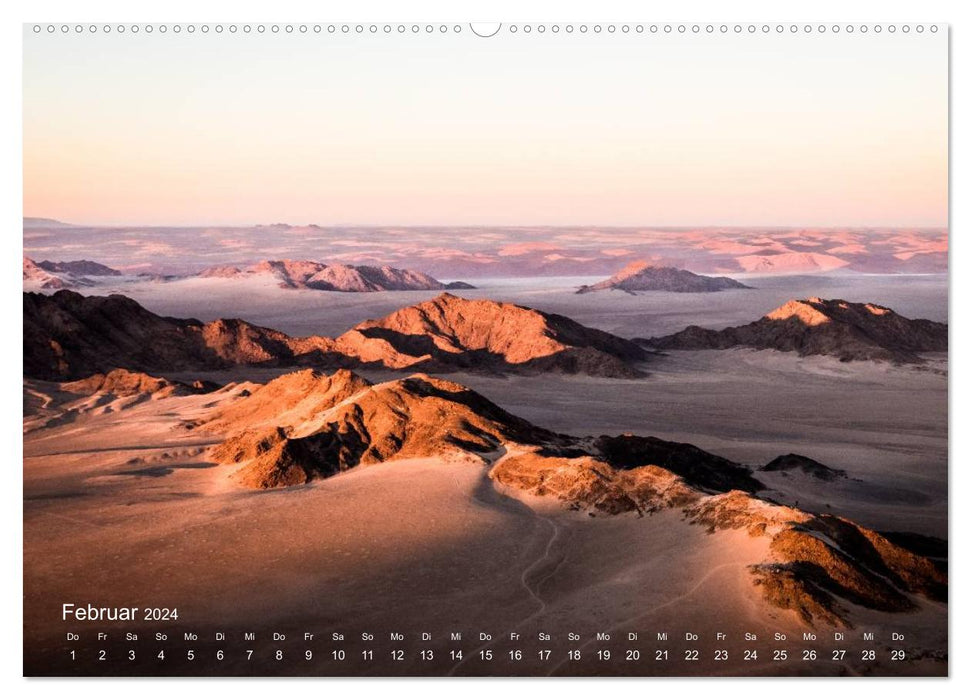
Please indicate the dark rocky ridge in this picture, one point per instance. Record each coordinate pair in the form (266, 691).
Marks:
(69, 336)
(806, 465)
(814, 326)
(699, 469)
(79, 267)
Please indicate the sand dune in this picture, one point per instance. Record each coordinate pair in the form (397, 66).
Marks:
(788, 263)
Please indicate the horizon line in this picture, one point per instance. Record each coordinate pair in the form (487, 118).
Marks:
(496, 226)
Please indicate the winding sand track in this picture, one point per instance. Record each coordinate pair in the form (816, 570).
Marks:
(487, 495)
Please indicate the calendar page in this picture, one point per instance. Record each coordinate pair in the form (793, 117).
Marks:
(437, 349)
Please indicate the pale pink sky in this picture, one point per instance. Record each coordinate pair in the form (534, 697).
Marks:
(619, 130)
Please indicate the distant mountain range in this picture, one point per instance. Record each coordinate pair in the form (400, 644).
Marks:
(814, 326)
(67, 335)
(290, 274)
(642, 276)
(466, 252)
(39, 222)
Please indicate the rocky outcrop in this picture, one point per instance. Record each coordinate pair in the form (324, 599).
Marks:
(814, 326)
(49, 405)
(806, 465)
(449, 333)
(644, 277)
(820, 563)
(223, 271)
(289, 400)
(86, 268)
(701, 470)
(346, 422)
(335, 277)
(121, 383)
(591, 484)
(36, 276)
(63, 275)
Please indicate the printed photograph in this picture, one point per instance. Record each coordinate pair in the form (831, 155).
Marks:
(466, 350)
